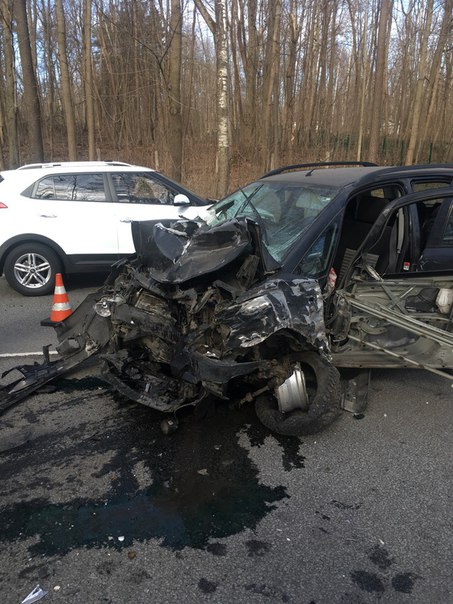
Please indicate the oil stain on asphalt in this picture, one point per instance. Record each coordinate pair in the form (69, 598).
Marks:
(203, 484)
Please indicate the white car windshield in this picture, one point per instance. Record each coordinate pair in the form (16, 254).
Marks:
(282, 210)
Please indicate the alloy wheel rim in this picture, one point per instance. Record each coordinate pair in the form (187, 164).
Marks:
(32, 270)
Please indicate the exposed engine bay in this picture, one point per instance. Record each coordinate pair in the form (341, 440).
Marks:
(195, 315)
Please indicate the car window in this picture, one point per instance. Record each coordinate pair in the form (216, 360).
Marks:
(79, 187)
(317, 259)
(140, 187)
(417, 237)
(283, 210)
(437, 244)
(447, 237)
(427, 214)
(425, 185)
(389, 193)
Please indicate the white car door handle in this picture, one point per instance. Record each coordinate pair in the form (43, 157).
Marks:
(127, 220)
(48, 216)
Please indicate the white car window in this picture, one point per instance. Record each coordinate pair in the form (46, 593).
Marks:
(140, 188)
(80, 187)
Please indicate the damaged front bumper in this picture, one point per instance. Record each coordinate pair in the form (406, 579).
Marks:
(167, 337)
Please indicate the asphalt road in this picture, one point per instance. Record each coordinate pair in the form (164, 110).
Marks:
(98, 506)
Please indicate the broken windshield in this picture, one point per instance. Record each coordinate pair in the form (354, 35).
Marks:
(283, 210)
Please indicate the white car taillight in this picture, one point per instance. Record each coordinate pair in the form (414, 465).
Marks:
(2, 205)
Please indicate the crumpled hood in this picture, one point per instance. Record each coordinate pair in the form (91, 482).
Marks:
(182, 250)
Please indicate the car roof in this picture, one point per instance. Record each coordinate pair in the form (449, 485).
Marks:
(76, 166)
(331, 176)
(28, 173)
(340, 177)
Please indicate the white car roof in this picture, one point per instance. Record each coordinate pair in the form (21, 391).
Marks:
(80, 165)
(29, 173)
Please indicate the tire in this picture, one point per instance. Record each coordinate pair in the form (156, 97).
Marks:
(324, 398)
(30, 269)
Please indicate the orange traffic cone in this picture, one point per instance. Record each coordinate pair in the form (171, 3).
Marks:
(61, 307)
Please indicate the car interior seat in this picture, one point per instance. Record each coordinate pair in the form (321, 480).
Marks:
(360, 215)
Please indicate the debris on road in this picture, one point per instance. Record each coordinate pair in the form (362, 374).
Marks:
(35, 595)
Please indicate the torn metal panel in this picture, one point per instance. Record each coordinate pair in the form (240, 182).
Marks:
(275, 305)
(187, 249)
(356, 386)
(396, 324)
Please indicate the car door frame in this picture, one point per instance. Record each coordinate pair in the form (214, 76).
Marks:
(358, 301)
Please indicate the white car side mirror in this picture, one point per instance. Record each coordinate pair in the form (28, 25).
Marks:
(181, 200)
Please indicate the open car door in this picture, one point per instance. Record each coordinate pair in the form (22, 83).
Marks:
(391, 311)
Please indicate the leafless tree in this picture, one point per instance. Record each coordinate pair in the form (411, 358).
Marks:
(31, 97)
(247, 84)
(65, 82)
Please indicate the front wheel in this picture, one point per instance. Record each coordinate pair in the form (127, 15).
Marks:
(320, 400)
(30, 269)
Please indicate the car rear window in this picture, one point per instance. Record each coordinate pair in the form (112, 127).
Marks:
(430, 184)
(72, 187)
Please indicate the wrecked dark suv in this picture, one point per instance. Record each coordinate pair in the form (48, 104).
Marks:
(310, 274)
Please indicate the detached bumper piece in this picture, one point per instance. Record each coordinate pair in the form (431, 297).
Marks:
(33, 378)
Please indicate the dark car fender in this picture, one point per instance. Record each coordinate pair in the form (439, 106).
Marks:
(283, 303)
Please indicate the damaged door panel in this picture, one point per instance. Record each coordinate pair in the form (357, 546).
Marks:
(395, 324)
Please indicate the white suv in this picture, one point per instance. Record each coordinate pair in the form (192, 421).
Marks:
(75, 217)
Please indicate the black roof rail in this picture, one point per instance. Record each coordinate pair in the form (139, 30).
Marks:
(417, 167)
(365, 164)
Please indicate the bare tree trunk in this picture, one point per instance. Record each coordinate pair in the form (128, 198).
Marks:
(311, 58)
(187, 120)
(380, 82)
(290, 77)
(65, 82)
(175, 141)
(434, 78)
(363, 78)
(421, 75)
(271, 99)
(32, 25)
(223, 138)
(89, 100)
(31, 98)
(238, 116)
(249, 51)
(422, 72)
(48, 79)
(10, 93)
(219, 29)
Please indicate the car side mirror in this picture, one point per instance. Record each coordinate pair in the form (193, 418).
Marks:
(181, 200)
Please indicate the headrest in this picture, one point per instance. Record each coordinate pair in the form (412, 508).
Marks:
(369, 208)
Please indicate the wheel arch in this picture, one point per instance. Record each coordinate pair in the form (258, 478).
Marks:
(13, 242)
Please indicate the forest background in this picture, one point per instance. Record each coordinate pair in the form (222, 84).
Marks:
(214, 93)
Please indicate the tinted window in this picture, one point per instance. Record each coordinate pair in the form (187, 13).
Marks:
(437, 237)
(140, 188)
(426, 185)
(45, 189)
(447, 238)
(316, 261)
(79, 187)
